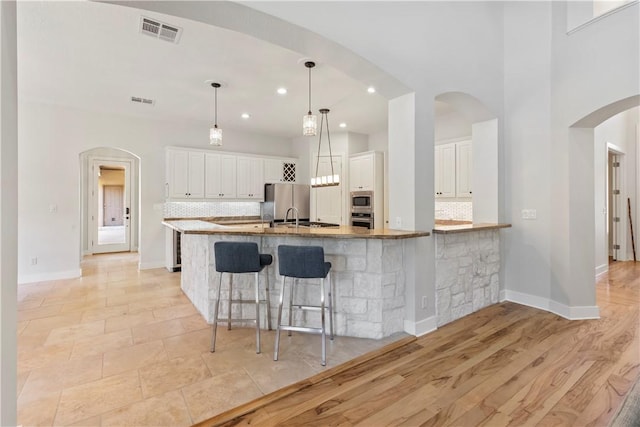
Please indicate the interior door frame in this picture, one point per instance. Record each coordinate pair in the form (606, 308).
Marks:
(92, 235)
(621, 204)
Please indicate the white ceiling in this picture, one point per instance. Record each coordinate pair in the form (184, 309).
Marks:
(91, 56)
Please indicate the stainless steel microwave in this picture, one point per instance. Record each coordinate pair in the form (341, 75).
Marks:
(362, 201)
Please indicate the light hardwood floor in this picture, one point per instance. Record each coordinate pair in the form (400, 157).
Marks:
(123, 347)
(507, 365)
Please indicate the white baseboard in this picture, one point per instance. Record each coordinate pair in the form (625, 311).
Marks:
(601, 269)
(151, 265)
(421, 327)
(45, 277)
(568, 312)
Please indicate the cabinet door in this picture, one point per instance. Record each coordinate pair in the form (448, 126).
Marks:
(228, 179)
(273, 170)
(445, 171)
(178, 174)
(361, 173)
(196, 175)
(250, 181)
(463, 169)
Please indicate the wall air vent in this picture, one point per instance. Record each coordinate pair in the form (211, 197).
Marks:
(142, 100)
(160, 30)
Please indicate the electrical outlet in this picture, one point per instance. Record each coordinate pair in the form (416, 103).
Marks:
(424, 301)
(53, 208)
(529, 214)
(34, 261)
(398, 221)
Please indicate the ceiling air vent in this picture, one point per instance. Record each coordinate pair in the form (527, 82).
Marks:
(142, 100)
(160, 30)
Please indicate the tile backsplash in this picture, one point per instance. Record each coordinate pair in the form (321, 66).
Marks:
(209, 209)
(454, 210)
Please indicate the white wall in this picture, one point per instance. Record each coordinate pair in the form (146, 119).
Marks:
(8, 212)
(485, 172)
(450, 126)
(51, 140)
(380, 142)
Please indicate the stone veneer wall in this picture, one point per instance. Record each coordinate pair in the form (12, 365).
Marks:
(368, 282)
(467, 273)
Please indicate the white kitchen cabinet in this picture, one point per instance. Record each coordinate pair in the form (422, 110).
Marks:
(220, 176)
(185, 174)
(279, 170)
(361, 172)
(464, 169)
(250, 178)
(445, 171)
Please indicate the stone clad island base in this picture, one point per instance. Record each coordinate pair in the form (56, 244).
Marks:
(367, 277)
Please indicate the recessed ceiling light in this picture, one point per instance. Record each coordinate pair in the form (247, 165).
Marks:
(371, 89)
(282, 91)
(245, 115)
(343, 125)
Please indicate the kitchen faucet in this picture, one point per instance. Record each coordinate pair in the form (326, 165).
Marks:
(296, 215)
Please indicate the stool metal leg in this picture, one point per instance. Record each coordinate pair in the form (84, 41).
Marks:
(230, 298)
(291, 291)
(267, 299)
(258, 313)
(324, 333)
(330, 305)
(277, 345)
(214, 327)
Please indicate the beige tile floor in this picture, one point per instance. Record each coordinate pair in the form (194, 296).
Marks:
(125, 347)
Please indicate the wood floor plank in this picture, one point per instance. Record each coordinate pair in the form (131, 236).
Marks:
(504, 365)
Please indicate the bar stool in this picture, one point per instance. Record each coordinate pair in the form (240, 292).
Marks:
(234, 258)
(304, 262)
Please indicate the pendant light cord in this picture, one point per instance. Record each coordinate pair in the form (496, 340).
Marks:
(215, 107)
(309, 90)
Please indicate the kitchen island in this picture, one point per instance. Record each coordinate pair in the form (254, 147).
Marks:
(367, 272)
(467, 268)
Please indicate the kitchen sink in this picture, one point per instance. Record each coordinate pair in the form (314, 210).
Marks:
(307, 224)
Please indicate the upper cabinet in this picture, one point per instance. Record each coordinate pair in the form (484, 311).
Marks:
(250, 178)
(362, 172)
(453, 170)
(220, 176)
(464, 169)
(185, 174)
(279, 170)
(445, 171)
(209, 175)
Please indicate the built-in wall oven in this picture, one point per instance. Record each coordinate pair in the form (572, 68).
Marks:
(362, 209)
(362, 220)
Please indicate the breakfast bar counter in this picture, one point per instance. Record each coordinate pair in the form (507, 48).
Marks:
(367, 272)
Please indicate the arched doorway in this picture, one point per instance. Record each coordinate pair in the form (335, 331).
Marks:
(109, 194)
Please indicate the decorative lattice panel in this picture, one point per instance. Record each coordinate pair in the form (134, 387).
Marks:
(289, 172)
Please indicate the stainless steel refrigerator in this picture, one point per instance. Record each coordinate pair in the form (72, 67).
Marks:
(280, 197)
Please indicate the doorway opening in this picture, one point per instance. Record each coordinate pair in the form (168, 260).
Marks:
(110, 206)
(110, 197)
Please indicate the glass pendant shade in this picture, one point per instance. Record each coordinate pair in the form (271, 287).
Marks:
(309, 125)
(215, 136)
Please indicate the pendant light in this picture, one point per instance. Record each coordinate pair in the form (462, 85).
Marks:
(325, 180)
(215, 133)
(309, 121)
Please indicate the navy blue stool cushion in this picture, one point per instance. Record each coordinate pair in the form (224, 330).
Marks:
(239, 257)
(304, 262)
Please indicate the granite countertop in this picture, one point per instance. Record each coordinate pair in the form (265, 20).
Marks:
(192, 226)
(464, 228)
